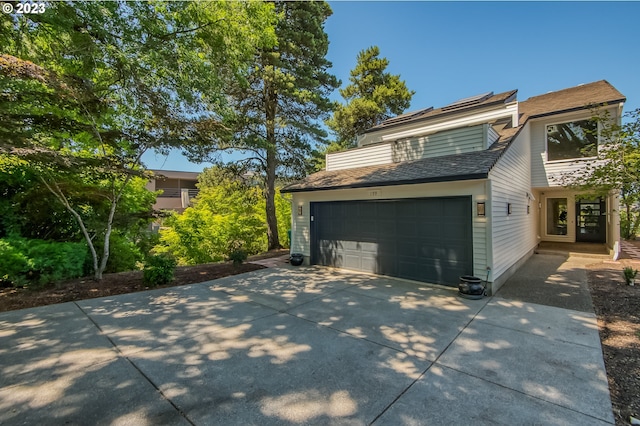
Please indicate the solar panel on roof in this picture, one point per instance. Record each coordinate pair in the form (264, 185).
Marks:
(472, 100)
(406, 116)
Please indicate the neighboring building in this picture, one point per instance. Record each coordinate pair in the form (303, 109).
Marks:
(475, 185)
(178, 188)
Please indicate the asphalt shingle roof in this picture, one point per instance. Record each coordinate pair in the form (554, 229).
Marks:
(574, 98)
(466, 166)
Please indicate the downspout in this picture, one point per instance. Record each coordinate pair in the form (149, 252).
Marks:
(489, 229)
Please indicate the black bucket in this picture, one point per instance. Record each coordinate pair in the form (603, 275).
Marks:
(296, 259)
(471, 287)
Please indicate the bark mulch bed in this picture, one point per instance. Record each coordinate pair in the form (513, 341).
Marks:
(617, 306)
(119, 283)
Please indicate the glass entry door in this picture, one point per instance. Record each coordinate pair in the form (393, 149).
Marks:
(591, 221)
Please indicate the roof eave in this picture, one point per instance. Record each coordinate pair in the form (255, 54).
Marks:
(580, 108)
(509, 99)
(437, 179)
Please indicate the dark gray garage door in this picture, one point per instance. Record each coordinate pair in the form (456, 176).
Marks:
(426, 239)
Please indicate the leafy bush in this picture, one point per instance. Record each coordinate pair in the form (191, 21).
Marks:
(158, 270)
(123, 254)
(236, 253)
(629, 274)
(14, 263)
(24, 261)
(228, 212)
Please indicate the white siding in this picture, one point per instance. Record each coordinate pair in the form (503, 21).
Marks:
(513, 235)
(439, 124)
(456, 141)
(300, 228)
(547, 174)
(359, 157)
(492, 136)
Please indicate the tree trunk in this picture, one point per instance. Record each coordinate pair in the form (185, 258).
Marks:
(271, 105)
(270, 192)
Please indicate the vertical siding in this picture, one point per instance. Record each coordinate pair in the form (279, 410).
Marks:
(513, 235)
(456, 141)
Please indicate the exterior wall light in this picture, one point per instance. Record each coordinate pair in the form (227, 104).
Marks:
(480, 209)
(508, 208)
(299, 210)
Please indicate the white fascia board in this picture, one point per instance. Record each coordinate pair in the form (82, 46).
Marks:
(421, 129)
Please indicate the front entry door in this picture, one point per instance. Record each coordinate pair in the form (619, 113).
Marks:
(591, 221)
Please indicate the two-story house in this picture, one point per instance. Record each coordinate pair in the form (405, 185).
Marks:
(468, 188)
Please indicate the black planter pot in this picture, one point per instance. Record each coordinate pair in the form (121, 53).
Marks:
(470, 287)
(296, 259)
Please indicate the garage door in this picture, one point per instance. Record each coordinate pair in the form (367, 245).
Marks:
(426, 239)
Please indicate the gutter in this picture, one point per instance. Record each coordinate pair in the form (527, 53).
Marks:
(438, 179)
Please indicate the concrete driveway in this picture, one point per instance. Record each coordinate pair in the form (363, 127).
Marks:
(305, 345)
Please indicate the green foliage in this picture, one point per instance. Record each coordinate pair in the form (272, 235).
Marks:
(232, 211)
(279, 108)
(14, 262)
(283, 213)
(236, 253)
(158, 270)
(125, 254)
(88, 87)
(24, 261)
(629, 274)
(372, 96)
(619, 168)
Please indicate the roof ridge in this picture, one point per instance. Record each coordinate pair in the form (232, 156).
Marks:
(576, 87)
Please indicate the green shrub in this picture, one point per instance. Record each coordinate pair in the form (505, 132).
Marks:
(55, 261)
(27, 262)
(629, 274)
(237, 253)
(158, 270)
(14, 263)
(123, 254)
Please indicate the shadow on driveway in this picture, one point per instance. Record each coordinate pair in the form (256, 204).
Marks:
(301, 346)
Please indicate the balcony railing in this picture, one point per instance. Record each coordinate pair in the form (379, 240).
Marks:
(177, 192)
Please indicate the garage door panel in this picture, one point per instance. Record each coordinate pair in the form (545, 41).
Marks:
(369, 264)
(352, 261)
(406, 229)
(425, 239)
(371, 248)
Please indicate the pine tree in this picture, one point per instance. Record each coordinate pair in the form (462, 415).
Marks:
(278, 110)
(372, 96)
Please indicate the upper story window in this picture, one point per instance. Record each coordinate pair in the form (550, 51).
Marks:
(571, 140)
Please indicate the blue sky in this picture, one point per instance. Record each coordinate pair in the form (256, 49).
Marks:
(451, 50)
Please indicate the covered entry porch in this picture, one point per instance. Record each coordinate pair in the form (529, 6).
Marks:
(572, 222)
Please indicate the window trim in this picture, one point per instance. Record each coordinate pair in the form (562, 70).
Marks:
(565, 160)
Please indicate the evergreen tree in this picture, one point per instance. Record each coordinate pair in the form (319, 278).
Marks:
(87, 87)
(372, 96)
(277, 111)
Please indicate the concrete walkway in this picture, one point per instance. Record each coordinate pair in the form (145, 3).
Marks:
(630, 250)
(553, 280)
(304, 345)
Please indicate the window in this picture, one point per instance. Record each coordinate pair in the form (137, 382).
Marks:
(575, 139)
(557, 216)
